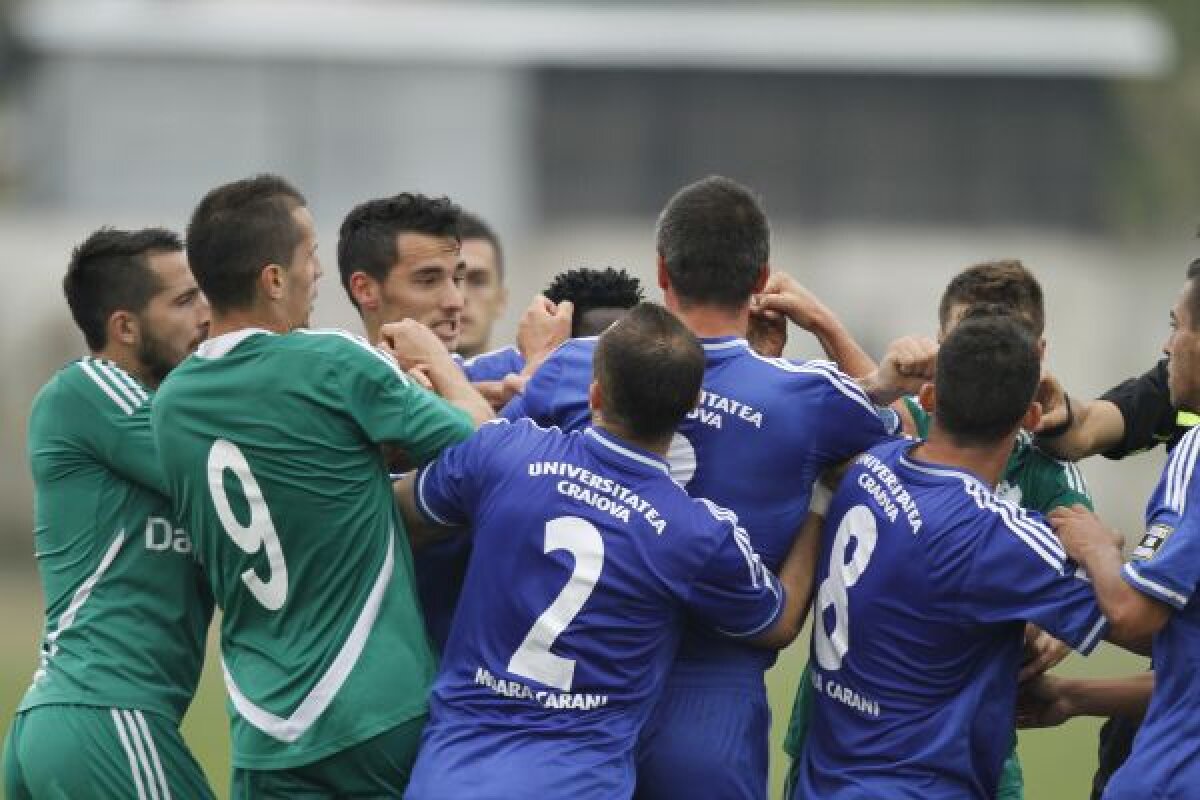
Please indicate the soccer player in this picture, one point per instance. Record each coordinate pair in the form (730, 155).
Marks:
(127, 608)
(762, 432)
(924, 586)
(587, 555)
(1153, 593)
(599, 297)
(1031, 479)
(486, 294)
(270, 438)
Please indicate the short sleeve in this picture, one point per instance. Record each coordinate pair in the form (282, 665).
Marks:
(109, 415)
(493, 366)
(734, 592)
(1020, 573)
(1146, 409)
(1166, 563)
(537, 401)
(850, 423)
(448, 489)
(392, 408)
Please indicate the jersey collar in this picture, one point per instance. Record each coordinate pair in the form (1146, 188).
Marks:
(609, 445)
(723, 346)
(940, 470)
(223, 344)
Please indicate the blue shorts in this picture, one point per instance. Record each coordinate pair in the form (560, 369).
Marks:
(706, 742)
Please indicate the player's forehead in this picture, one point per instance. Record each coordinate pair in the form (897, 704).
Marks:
(1181, 310)
(171, 271)
(479, 254)
(416, 251)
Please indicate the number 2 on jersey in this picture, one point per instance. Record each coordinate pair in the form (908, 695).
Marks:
(831, 646)
(258, 533)
(533, 658)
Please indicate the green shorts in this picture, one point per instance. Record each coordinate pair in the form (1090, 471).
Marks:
(376, 768)
(68, 751)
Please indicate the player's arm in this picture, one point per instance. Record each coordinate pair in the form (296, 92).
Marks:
(543, 327)
(1051, 700)
(907, 365)
(422, 530)
(1134, 614)
(784, 295)
(414, 346)
(796, 576)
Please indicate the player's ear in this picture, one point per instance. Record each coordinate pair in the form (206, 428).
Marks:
(760, 282)
(365, 291)
(664, 280)
(123, 327)
(927, 397)
(271, 281)
(595, 399)
(1033, 416)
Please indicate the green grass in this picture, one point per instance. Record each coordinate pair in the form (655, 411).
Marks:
(1058, 762)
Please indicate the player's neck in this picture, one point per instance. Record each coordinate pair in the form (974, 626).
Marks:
(238, 319)
(985, 461)
(129, 363)
(657, 446)
(709, 322)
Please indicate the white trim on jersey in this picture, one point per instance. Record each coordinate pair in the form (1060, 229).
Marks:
(625, 451)
(120, 380)
(1179, 472)
(1155, 588)
(322, 694)
(143, 760)
(714, 346)
(827, 370)
(121, 402)
(157, 763)
(364, 344)
(470, 362)
(67, 619)
(1038, 537)
(135, 772)
(222, 345)
(1089, 641)
(129, 380)
(423, 504)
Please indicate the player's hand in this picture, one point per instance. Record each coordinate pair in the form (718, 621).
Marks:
(498, 393)
(420, 375)
(785, 295)
(1043, 703)
(412, 344)
(543, 327)
(1042, 652)
(907, 365)
(1052, 397)
(1080, 530)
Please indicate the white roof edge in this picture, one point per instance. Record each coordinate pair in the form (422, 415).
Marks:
(1104, 41)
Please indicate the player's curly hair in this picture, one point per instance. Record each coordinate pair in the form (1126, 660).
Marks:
(589, 289)
(367, 238)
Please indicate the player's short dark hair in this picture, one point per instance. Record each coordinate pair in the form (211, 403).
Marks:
(237, 230)
(988, 370)
(650, 368)
(367, 238)
(110, 271)
(1004, 282)
(589, 289)
(471, 226)
(1193, 272)
(714, 238)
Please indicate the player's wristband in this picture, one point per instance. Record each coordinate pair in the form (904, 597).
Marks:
(1062, 427)
(821, 495)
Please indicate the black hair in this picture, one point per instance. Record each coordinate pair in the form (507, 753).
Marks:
(988, 370)
(714, 238)
(367, 238)
(650, 368)
(237, 230)
(471, 226)
(1193, 300)
(590, 289)
(109, 272)
(1005, 282)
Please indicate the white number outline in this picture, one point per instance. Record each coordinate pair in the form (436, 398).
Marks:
(830, 647)
(259, 533)
(533, 659)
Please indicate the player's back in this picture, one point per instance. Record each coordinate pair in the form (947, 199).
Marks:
(923, 587)
(585, 556)
(271, 450)
(116, 570)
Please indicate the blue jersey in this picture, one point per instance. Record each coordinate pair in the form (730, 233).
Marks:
(491, 366)
(1166, 566)
(764, 430)
(925, 582)
(585, 556)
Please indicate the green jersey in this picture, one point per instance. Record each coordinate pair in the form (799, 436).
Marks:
(271, 448)
(127, 607)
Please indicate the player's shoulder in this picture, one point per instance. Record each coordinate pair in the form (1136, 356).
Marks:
(815, 376)
(1180, 471)
(1008, 526)
(92, 383)
(339, 347)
